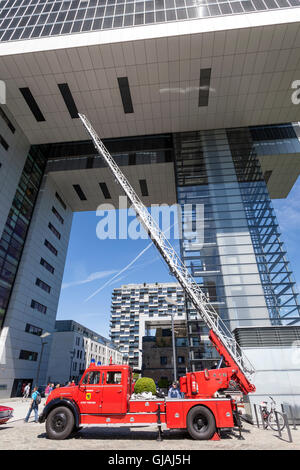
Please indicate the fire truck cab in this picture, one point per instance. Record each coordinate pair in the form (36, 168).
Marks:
(103, 397)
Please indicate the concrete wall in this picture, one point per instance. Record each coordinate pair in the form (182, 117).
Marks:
(14, 338)
(277, 375)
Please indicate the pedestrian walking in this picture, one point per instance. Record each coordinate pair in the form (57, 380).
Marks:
(34, 405)
(48, 390)
(26, 391)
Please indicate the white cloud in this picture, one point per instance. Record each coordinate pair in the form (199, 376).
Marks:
(92, 277)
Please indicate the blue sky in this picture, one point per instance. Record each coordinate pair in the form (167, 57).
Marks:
(92, 272)
(93, 265)
(288, 216)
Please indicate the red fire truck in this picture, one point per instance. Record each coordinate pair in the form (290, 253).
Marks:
(104, 396)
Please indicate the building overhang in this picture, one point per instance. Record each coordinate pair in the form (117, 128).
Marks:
(159, 178)
(282, 170)
(244, 65)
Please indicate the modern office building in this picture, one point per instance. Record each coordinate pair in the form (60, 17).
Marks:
(74, 347)
(198, 103)
(139, 308)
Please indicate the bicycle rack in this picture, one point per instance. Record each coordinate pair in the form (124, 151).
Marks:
(286, 422)
(258, 414)
(291, 414)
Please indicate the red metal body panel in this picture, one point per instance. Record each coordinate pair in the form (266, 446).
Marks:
(144, 406)
(128, 418)
(177, 411)
(207, 382)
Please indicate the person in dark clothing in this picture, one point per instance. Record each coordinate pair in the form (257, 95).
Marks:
(174, 391)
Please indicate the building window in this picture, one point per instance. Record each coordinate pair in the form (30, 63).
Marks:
(34, 330)
(163, 360)
(57, 215)
(46, 265)
(28, 355)
(53, 230)
(181, 359)
(4, 143)
(51, 247)
(43, 285)
(7, 120)
(37, 306)
(60, 200)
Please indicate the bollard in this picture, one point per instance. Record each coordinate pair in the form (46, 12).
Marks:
(286, 422)
(264, 424)
(277, 422)
(255, 411)
(293, 418)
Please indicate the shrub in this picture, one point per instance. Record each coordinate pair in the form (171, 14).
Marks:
(145, 384)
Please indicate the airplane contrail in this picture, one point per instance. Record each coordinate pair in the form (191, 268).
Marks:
(124, 269)
(120, 272)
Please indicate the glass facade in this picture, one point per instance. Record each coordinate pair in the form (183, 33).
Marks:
(17, 224)
(275, 274)
(242, 265)
(25, 19)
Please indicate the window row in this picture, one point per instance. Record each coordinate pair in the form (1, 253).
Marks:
(7, 120)
(63, 23)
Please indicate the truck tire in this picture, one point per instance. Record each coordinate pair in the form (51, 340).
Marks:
(60, 423)
(201, 423)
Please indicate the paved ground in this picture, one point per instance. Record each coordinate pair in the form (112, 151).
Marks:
(17, 435)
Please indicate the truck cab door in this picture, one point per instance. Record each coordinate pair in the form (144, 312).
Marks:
(90, 393)
(114, 395)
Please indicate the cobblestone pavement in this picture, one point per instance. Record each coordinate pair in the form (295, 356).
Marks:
(17, 435)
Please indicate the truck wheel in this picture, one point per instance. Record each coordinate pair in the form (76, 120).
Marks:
(60, 423)
(201, 423)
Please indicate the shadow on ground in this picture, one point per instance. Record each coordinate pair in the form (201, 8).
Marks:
(112, 434)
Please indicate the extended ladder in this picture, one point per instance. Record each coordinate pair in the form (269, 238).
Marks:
(180, 271)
